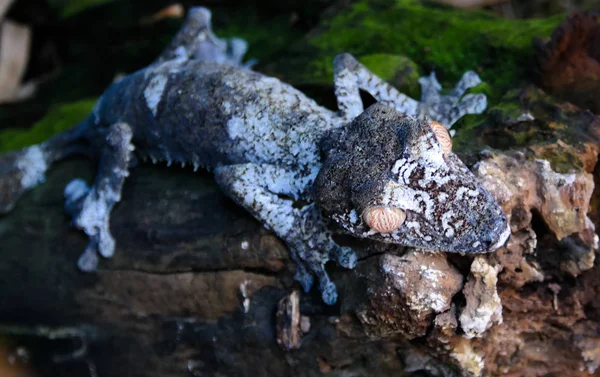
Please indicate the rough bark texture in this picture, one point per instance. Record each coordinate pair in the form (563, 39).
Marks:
(568, 65)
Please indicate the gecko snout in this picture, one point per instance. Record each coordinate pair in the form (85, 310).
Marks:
(497, 235)
(384, 219)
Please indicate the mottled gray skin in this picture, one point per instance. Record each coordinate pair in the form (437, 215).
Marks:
(388, 159)
(199, 104)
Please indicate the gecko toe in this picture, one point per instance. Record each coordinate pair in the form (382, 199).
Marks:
(88, 261)
(345, 256)
(303, 277)
(106, 243)
(75, 192)
(328, 291)
(90, 213)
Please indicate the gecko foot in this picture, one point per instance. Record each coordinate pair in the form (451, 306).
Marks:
(91, 206)
(316, 249)
(93, 220)
(197, 41)
(328, 291)
(447, 109)
(75, 193)
(302, 275)
(326, 286)
(90, 213)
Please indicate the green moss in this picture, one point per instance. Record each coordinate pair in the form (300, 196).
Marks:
(68, 8)
(266, 36)
(524, 137)
(552, 130)
(506, 111)
(465, 140)
(59, 118)
(483, 88)
(562, 161)
(398, 70)
(446, 40)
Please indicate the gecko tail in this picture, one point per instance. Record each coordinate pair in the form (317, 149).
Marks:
(24, 169)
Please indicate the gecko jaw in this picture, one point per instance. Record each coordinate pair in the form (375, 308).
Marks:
(502, 239)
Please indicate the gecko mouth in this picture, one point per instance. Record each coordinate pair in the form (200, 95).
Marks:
(502, 239)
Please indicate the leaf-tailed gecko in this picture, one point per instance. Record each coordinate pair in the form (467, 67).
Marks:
(386, 173)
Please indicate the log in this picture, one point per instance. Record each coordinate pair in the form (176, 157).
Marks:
(198, 287)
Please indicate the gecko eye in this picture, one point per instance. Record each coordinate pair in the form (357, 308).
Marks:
(443, 137)
(384, 219)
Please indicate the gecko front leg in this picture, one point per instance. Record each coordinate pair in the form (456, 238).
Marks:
(259, 188)
(350, 76)
(91, 207)
(449, 108)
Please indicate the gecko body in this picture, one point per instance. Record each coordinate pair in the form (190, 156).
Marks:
(198, 104)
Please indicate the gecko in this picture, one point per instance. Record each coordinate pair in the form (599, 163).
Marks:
(296, 166)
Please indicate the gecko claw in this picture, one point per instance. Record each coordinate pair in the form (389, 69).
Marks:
(88, 261)
(345, 256)
(328, 291)
(302, 276)
(75, 193)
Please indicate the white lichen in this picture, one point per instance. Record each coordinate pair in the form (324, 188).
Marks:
(245, 295)
(484, 307)
(468, 359)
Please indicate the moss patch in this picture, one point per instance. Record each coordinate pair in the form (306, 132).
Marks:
(111, 34)
(398, 70)
(266, 36)
(561, 159)
(530, 120)
(59, 118)
(68, 8)
(443, 39)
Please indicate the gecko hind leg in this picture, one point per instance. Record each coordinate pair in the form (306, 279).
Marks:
(257, 188)
(91, 206)
(196, 40)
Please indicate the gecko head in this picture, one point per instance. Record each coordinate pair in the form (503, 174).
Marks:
(393, 178)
